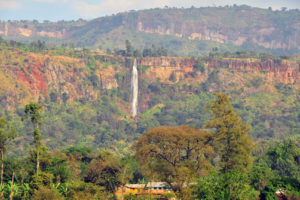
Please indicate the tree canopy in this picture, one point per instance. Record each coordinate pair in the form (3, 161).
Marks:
(32, 110)
(7, 133)
(175, 154)
(230, 135)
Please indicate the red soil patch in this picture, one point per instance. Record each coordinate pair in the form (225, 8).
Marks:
(37, 81)
(40, 81)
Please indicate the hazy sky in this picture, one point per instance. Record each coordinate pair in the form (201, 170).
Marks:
(55, 10)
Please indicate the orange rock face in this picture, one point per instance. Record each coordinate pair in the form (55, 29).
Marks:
(35, 81)
(44, 74)
(286, 72)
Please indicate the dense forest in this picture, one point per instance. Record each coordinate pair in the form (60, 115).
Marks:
(220, 162)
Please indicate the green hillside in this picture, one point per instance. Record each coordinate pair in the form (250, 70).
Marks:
(86, 97)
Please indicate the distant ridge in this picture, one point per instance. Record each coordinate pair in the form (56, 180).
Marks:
(187, 31)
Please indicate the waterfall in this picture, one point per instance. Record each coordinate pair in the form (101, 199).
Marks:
(134, 90)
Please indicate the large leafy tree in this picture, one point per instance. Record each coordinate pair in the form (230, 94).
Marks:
(176, 155)
(214, 187)
(7, 133)
(284, 159)
(231, 138)
(32, 110)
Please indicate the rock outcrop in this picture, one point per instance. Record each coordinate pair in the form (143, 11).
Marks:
(287, 71)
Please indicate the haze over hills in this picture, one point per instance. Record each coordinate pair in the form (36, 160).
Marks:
(182, 31)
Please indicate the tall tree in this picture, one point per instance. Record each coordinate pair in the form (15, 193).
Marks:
(32, 110)
(231, 141)
(176, 155)
(129, 48)
(231, 135)
(7, 133)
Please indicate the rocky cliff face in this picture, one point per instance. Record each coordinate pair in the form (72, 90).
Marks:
(164, 67)
(239, 25)
(17, 30)
(35, 77)
(201, 31)
(286, 72)
(31, 76)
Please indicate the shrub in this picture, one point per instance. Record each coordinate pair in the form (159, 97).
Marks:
(46, 193)
(173, 77)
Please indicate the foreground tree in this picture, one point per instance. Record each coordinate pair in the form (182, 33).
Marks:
(284, 159)
(7, 133)
(231, 135)
(231, 142)
(176, 155)
(46, 193)
(214, 187)
(104, 171)
(32, 111)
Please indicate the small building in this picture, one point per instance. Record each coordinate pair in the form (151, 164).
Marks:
(157, 190)
(131, 189)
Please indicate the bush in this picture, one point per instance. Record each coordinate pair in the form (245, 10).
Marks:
(94, 80)
(53, 97)
(257, 81)
(130, 197)
(216, 186)
(80, 190)
(173, 77)
(46, 193)
(199, 66)
(290, 187)
(65, 97)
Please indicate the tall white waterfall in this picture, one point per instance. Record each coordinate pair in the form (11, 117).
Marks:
(134, 89)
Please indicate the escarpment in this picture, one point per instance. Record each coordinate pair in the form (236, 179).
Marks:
(287, 71)
(32, 76)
